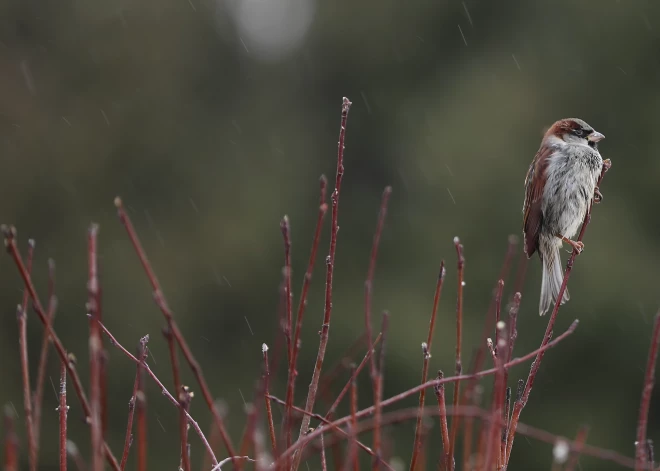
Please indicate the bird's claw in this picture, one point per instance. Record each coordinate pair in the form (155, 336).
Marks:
(598, 196)
(607, 164)
(577, 246)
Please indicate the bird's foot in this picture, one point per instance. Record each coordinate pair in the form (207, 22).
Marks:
(577, 245)
(598, 196)
(607, 163)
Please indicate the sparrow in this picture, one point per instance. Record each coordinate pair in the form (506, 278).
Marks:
(559, 189)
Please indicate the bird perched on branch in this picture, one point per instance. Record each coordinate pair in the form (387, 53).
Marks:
(559, 189)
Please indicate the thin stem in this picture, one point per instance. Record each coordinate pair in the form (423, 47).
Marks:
(21, 316)
(403, 415)
(143, 364)
(354, 409)
(426, 353)
(518, 407)
(293, 373)
(645, 403)
(95, 342)
(63, 408)
(128, 440)
(479, 358)
(459, 328)
(141, 406)
(10, 244)
(378, 394)
(43, 356)
(442, 411)
(330, 264)
(369, 282)
(362, 364)
(173, 326)
(415, 390)
(335, 428)
(285, 227)
(181, 396)
(324, 466)
(269, 410)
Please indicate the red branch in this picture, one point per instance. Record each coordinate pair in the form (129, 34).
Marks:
(181, 397)
(378, 394)
(128, 440)
(411, 392)
(645, 404)
(442, 411)
(21, 316)
(10, 244)
(293, 360)
(93, 308)
(478, 361)
(369, 282)
(159, 298)
(144, 366)
(403, 415)
(520, 404)
(43, 356)
(269, 410)
(285, 227)
(459, 328)
(426, 352)
(63, 408)
(330, 264)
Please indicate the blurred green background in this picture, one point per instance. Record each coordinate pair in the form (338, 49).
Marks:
(214, 119)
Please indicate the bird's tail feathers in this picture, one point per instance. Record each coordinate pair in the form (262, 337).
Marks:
(552, 274)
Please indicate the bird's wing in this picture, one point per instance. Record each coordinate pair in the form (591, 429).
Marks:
(534, 186)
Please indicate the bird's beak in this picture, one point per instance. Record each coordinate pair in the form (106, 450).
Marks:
(596, 136)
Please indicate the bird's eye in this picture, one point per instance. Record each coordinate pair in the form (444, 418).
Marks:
(579, 132)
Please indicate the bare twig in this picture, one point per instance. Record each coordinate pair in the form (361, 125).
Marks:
(357, 371)
(293, 373)
(442, 410)
(141, 406)
(159, 298)
(426, 352)
(641, 457)
(43, 356)
(143, 364)
(478, 359)
(128, 440)
(352, 456)
(21, 316)
(459, 367)
(63, 408)
(520, 404)
(269, 410)
(324, 466)
(285, 227)
(330, 264)
(181, 397)
(415, 390)
(335, 428)
(378, 394)
(93, 308)
(10, 244)
(403, 415)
